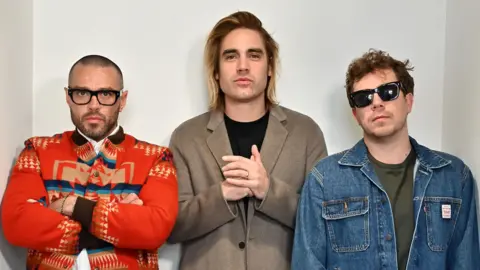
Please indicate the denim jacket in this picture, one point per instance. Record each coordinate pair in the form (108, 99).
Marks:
(345, 221)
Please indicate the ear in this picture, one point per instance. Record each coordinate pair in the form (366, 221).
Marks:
(216, 76)
(269, 72)
(123, 100)
(67, 97)
(409, 99)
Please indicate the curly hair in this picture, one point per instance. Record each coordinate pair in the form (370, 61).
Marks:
(375, 60)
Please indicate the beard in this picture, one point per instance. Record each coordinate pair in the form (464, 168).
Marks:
(95, 131)
(386, 132)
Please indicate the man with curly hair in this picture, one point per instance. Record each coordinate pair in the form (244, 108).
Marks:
(388, 202)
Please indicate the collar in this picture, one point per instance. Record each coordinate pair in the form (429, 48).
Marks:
(357, 156)
(116, 137)
(217, 116)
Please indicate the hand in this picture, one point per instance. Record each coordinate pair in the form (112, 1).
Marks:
(64, 205)
(234, 193)
(247, 173)
(132, 198)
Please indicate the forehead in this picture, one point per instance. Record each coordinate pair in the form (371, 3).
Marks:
(95, 77)
(374, 79)
(243, 39)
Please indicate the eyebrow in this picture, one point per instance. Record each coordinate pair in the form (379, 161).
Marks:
(100, 89)
(251, 50)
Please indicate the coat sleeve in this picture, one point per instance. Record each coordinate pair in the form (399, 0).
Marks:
(199, 213)
(32, 224)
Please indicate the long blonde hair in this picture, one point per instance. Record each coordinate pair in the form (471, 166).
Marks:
(241, 19)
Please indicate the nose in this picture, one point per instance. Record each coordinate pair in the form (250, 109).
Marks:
(377, 102)
(93, 104)
(243, 65)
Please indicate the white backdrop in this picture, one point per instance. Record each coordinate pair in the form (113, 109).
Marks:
(158, 45)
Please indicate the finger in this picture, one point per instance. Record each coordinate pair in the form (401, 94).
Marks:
(130, 198)
(233, 158)
(242, 183)
(256, 154)
(236, 174)
(137, 202)
(237, 165)
(31, 201)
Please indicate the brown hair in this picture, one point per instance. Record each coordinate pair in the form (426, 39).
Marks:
(241, 19)
(375, 60)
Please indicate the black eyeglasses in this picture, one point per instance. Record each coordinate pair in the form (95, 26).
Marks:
(82, 96)
(387, 92)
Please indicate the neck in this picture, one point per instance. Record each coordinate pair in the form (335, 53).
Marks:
(389, 150)
(245, 111)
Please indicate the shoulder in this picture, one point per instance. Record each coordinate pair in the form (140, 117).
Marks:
(301, 123)
(455, 162)
(190, 129)
(46, 142)
(330, 162)
(151, 150)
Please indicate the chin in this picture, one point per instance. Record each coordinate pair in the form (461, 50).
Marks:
(380, 132)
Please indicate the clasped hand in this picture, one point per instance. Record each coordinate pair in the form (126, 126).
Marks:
(244, 177)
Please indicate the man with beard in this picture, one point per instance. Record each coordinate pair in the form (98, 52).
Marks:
(94, 190)
(389, 202)
(241, 165)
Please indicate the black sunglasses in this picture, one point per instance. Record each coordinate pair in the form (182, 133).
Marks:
(387, 92)
(82, 96)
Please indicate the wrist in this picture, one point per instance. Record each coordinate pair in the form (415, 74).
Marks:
(68, 205)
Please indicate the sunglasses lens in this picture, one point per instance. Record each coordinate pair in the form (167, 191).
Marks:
(362, 98)
(388, 92)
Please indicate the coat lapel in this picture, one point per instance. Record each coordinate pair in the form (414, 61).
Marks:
(218, 141)
(272, 146)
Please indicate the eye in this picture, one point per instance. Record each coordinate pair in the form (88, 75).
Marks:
(230, 57)
(255, 56)
(81, 92)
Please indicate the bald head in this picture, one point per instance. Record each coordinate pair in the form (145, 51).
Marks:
(96, 61)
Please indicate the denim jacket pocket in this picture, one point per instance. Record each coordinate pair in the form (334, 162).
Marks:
(347, 222)
(441, 215)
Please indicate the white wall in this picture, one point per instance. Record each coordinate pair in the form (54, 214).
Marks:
(16, 58)
(158, 45)
(461, 127)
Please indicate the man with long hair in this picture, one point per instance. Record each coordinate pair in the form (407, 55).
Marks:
(242, 164)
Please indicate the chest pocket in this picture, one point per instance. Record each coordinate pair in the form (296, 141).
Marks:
(347, 221)
(441, 215)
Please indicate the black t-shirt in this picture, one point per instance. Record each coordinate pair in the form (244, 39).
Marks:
(243, 135)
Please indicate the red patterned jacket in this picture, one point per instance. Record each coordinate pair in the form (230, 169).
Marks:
(116, 235)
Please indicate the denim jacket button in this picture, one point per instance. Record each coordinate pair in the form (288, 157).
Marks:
(388, 237)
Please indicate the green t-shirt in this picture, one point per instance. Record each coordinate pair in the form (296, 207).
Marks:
(397, 180)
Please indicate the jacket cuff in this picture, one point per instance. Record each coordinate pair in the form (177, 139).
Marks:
(83, 212)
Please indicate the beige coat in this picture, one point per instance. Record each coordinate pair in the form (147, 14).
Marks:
(215, 234)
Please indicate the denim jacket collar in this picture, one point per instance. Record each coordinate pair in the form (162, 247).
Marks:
(357, 156)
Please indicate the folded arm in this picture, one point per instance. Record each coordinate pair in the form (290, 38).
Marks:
(26, 220)
(133, 226)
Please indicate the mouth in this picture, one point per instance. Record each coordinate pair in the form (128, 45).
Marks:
(243, 82)
(94, 119)
(380, 117)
